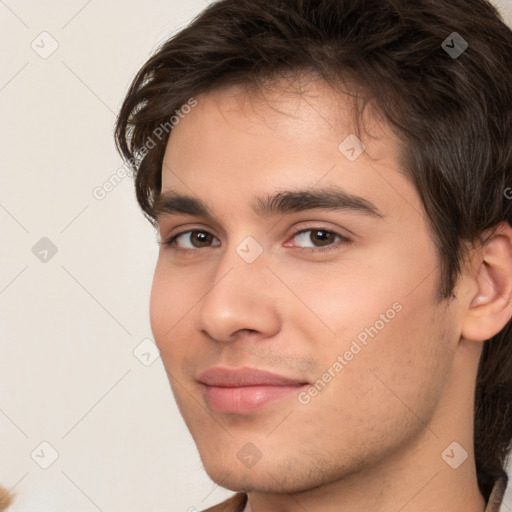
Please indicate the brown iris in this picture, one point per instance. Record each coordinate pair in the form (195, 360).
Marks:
(322, 237)
(200, 238)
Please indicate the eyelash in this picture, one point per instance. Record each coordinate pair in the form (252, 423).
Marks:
(171, 242)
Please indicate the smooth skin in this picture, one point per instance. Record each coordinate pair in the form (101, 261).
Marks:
(373, 438)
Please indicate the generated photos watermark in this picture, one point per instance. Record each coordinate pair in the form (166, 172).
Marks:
(161, 131)
(356, 346)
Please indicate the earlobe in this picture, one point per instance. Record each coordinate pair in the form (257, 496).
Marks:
(490, 306)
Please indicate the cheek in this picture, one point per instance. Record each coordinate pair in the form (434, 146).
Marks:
(168, 305)
(334, 305)
(395, 375)
(396, 341)
(385, 394)
(159, 304)
(176, 295)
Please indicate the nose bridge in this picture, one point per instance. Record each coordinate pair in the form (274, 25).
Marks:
(244, 262)
(239, 297)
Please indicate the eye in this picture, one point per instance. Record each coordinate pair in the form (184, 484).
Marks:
(193, 239)
(316, 238)
(312, 239)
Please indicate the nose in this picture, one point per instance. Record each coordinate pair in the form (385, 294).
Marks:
(242, 298)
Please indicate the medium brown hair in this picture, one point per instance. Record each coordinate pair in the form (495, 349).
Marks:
(452, 113)
(5, 499)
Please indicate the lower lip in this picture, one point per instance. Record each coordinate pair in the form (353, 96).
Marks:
(246, 399)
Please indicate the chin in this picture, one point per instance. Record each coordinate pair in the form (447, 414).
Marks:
(273, 477)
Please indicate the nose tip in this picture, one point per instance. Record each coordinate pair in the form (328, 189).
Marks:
(240, 304)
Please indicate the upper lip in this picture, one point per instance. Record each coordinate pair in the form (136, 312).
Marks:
(242, 377)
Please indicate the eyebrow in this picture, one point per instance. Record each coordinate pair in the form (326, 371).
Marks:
(278, 203)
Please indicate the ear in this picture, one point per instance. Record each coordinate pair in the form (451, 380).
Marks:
(489, 294)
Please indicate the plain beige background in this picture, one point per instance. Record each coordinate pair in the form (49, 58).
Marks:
(82, 391)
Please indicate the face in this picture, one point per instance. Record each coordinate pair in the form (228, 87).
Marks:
(294, 298)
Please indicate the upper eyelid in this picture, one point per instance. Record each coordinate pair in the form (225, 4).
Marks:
(319, 228)
(318, 223)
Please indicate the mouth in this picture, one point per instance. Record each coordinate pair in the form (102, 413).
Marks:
(245, 390)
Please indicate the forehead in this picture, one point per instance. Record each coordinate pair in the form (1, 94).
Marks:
(300, 110)
(239, 143)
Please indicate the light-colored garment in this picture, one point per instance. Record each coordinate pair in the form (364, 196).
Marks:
(239, 503)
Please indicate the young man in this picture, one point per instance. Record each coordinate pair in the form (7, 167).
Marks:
(332, 298)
